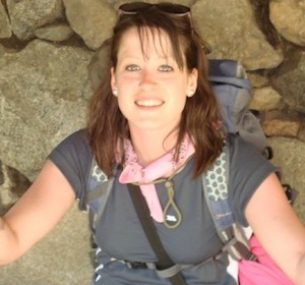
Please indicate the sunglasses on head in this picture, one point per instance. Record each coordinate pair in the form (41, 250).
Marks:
(172, 9)
(168, 8)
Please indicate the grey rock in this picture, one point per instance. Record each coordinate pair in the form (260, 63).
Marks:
(257, 80)
(229, 28)
(301, 134)
(92, 20)
(42, 99)
(289, 154)
(12, 185)
(288, 17)
(98, 66)
(61, 258)
(54, 32)
(53, 260)
(28, 15)
(281, 126)
(2, 51)
(5, 26)
(289, 80)
(265, 98)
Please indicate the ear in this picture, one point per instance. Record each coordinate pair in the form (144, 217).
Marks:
(192, 82)
(113, 80)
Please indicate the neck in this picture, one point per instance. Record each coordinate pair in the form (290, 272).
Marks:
(152, 144)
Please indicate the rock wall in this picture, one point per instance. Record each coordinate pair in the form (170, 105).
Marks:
(50, 61)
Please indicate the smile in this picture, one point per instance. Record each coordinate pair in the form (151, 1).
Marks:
(149, 103)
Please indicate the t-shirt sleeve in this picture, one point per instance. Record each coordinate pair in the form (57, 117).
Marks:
(73, 157)
(248, 169)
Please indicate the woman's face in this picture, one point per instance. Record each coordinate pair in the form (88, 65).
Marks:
(151, 88)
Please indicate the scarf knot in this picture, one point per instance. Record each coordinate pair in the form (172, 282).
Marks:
(163, 167)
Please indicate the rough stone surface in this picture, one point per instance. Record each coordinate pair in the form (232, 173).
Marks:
(54, 33)
(288, 17)
(257, 80)
(98, 66)
(5, 27)
(61, 258)
(289, 154)
(289, 80)
(45, 103)
(28, 15)
(237, 22)
(12, 185)
(91, 19)
(301, 134)
(2, 51)
(264, 99)
(281, 127)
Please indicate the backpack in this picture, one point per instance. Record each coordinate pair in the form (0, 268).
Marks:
(232, 90)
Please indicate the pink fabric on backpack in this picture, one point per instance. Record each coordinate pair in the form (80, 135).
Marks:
(263, 271)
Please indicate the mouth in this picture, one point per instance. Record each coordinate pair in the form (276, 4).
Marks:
(149, 103)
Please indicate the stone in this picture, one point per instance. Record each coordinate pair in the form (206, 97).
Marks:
(2, 51)
(5, 26)
(98, 66)
(12, 185)
(301, 135)
(234, 34)
(54, 32)
(289, 80)
(61, 258)
(43, 98)
(257, 80)
(46, 263)
(28, 15)
(288, 17)
(289, 155)
(92, 20)
(264, 99)
(281, 126)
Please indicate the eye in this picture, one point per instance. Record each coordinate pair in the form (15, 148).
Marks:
(132, 67)
(165, 68)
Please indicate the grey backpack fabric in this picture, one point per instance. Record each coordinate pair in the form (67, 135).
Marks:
(232, 89)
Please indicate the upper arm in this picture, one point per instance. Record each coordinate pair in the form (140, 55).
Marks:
(276, 225)
(40, 208)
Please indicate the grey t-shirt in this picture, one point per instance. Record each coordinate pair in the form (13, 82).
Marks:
(120, 235)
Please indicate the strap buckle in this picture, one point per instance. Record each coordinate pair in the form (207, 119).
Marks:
(136, 264)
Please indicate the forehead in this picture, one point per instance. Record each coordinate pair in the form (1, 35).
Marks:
(147, 40)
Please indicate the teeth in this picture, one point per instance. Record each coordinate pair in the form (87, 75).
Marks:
(149, 103)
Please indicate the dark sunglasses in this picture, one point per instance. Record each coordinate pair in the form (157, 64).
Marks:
(172, 9)
(168, 8)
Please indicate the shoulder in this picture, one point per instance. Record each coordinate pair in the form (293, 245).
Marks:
(75, 139)
(73, 157)
(76, 143)
(248, 168)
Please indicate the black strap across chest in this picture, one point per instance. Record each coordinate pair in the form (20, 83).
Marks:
(165, 266)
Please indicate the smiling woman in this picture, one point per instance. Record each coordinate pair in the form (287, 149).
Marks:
(151, 89)
(154, 131)
(157, 66)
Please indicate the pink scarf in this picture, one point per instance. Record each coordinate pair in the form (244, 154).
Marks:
(163, 167)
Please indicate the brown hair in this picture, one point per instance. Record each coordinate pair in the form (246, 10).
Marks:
(107, 126)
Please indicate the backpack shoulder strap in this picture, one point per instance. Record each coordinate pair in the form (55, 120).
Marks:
(215, 187)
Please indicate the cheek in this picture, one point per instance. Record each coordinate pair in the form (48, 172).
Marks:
(126, 80)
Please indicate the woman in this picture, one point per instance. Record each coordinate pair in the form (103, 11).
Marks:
(155, 116)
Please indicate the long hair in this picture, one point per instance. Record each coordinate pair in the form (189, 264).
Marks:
(107, 127)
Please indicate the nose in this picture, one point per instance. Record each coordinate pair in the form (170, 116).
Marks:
(147, 78)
